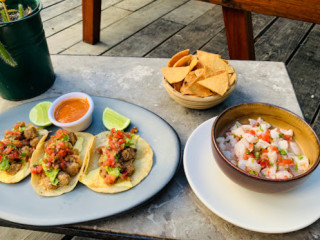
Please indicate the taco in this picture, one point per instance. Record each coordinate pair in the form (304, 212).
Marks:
(58, 165)
(119, 161)
(17, 149)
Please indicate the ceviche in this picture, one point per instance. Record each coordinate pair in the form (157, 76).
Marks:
(263, 150)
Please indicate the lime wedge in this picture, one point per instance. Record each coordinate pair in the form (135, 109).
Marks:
(38, 115)
(112, 119)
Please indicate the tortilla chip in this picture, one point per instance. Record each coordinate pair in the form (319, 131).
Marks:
(177, 56)
(191, 87)
(199, 72)
(174, 75)
(232, 78)
(143, 164)
(213, 61)
(177, 86)
(25, 168)
(184, 61)
(84, 156)
(190, 78)
(230, 69)
(193, 63)
(218, 83)
(199, 90)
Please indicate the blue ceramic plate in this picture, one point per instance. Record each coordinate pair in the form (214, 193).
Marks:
(21, 204)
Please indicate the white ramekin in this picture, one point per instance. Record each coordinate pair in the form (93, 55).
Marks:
(76, 126)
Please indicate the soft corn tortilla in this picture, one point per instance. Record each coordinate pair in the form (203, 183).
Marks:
(25, 168)
(143, 164)
(88, 140)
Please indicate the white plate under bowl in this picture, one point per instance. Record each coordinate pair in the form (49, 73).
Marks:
(260, 212)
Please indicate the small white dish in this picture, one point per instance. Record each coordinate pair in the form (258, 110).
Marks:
(78, 125)
(260, 212)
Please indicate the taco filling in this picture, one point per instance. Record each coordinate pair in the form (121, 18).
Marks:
(16, 150)
(117, 157)
(119, 161)
(61, 160)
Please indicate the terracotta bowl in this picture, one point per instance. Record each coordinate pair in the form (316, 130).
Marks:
(196, 102)
(278, 117)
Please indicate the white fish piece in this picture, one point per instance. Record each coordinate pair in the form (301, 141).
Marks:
(252, 165)
(236, 125)
(269, 172)
(273, 156)
(228, 154)
(302, 164)
(283, 174)
(252, 121)
(257, 130)
(240, 148)
(283, 144)
(222, 146)
(250, 138)
(246, 127)
(286, 132)
(262, 144)
(220, 139)
(231, 139)
(238, 132)
(293, 147)
(274, 134)
(242, 164)
(265, 126)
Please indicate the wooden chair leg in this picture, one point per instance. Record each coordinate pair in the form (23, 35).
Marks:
(239, 33)
(91, 14)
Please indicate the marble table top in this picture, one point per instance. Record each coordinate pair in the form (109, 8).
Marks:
(176, 212)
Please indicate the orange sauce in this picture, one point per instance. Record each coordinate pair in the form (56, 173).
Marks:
(71, 110)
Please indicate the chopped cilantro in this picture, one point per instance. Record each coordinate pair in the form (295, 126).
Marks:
(247, 151)
(280, 135)
(234, 136)
(113, 171)
(253, 172)
(66, 138)
(4, 164)
(271, 164)
(300, 157)
(257, 155)
(282, 152)
(228, 141)
(260, 128)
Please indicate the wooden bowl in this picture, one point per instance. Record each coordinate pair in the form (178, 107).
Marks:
(278, 117)
(196, 102)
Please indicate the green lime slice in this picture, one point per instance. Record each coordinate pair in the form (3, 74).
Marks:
(38, 115)
(112, 119)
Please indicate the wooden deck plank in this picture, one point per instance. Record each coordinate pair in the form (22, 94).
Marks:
(282, 38)
(193, 36)
(72, 35)
(304, 71)
(145, 40)
(62, 21)
(58, 9)
(126, 27)
(188, 12)
(48, 3)
(218, 44)
(21, 234)
(70, 18)
(133, 5)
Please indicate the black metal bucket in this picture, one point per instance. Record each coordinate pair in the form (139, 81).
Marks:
(25, 40)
